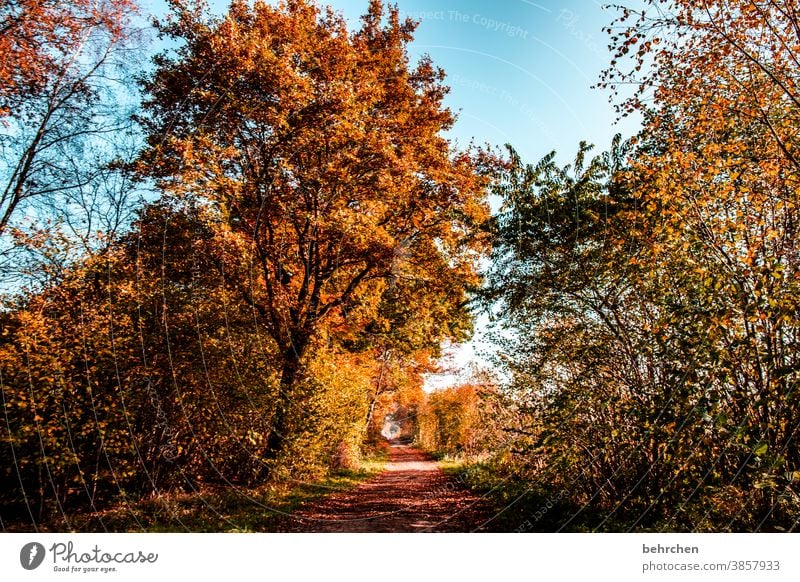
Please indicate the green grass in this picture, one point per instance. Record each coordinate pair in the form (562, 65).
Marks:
(534, 505)
(519, 505)
(524, 506)
(219, 508)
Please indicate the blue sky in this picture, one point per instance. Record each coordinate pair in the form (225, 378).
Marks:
(520, 72)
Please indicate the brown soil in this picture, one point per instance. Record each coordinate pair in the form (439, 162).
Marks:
(410, 495)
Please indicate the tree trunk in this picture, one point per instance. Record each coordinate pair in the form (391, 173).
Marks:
(279, 426)
(378, 390)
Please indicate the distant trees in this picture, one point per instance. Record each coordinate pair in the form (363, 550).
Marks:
(449, 421)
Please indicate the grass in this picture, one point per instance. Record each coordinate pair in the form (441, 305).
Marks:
(518, 506)
(219, 508)
(522, 506)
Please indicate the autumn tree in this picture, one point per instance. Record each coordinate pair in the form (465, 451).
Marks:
(651, 293)
(449, 420)
(323, 149)
(64, 118)
(722, 113)
(575, 321)
(141, 371)
(40, 37)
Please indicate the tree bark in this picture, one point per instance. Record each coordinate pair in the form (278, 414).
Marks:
(290, 374)
(378, 391)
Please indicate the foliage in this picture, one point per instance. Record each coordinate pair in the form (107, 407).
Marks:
(128, 375)
(652, 293)
(321, 149)
(63, 127)
(316, 238)
(462, 421)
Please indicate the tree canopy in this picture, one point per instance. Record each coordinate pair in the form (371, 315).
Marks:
(323, 150)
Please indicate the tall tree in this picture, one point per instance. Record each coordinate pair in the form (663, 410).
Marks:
(323, 148)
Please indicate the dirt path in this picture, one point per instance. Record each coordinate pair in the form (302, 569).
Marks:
(410, 495)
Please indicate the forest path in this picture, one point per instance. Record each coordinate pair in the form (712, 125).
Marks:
(412, 494)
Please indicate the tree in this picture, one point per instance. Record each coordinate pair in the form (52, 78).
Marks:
(449, 420)
(62, 113)
(140, 371)
(575, 316)
(42, 39)
(723, 118)
(652, 292)
(322, 148)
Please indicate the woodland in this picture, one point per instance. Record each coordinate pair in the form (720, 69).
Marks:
(225, 265)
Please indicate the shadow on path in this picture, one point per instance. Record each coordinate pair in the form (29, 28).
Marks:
(410, 495)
